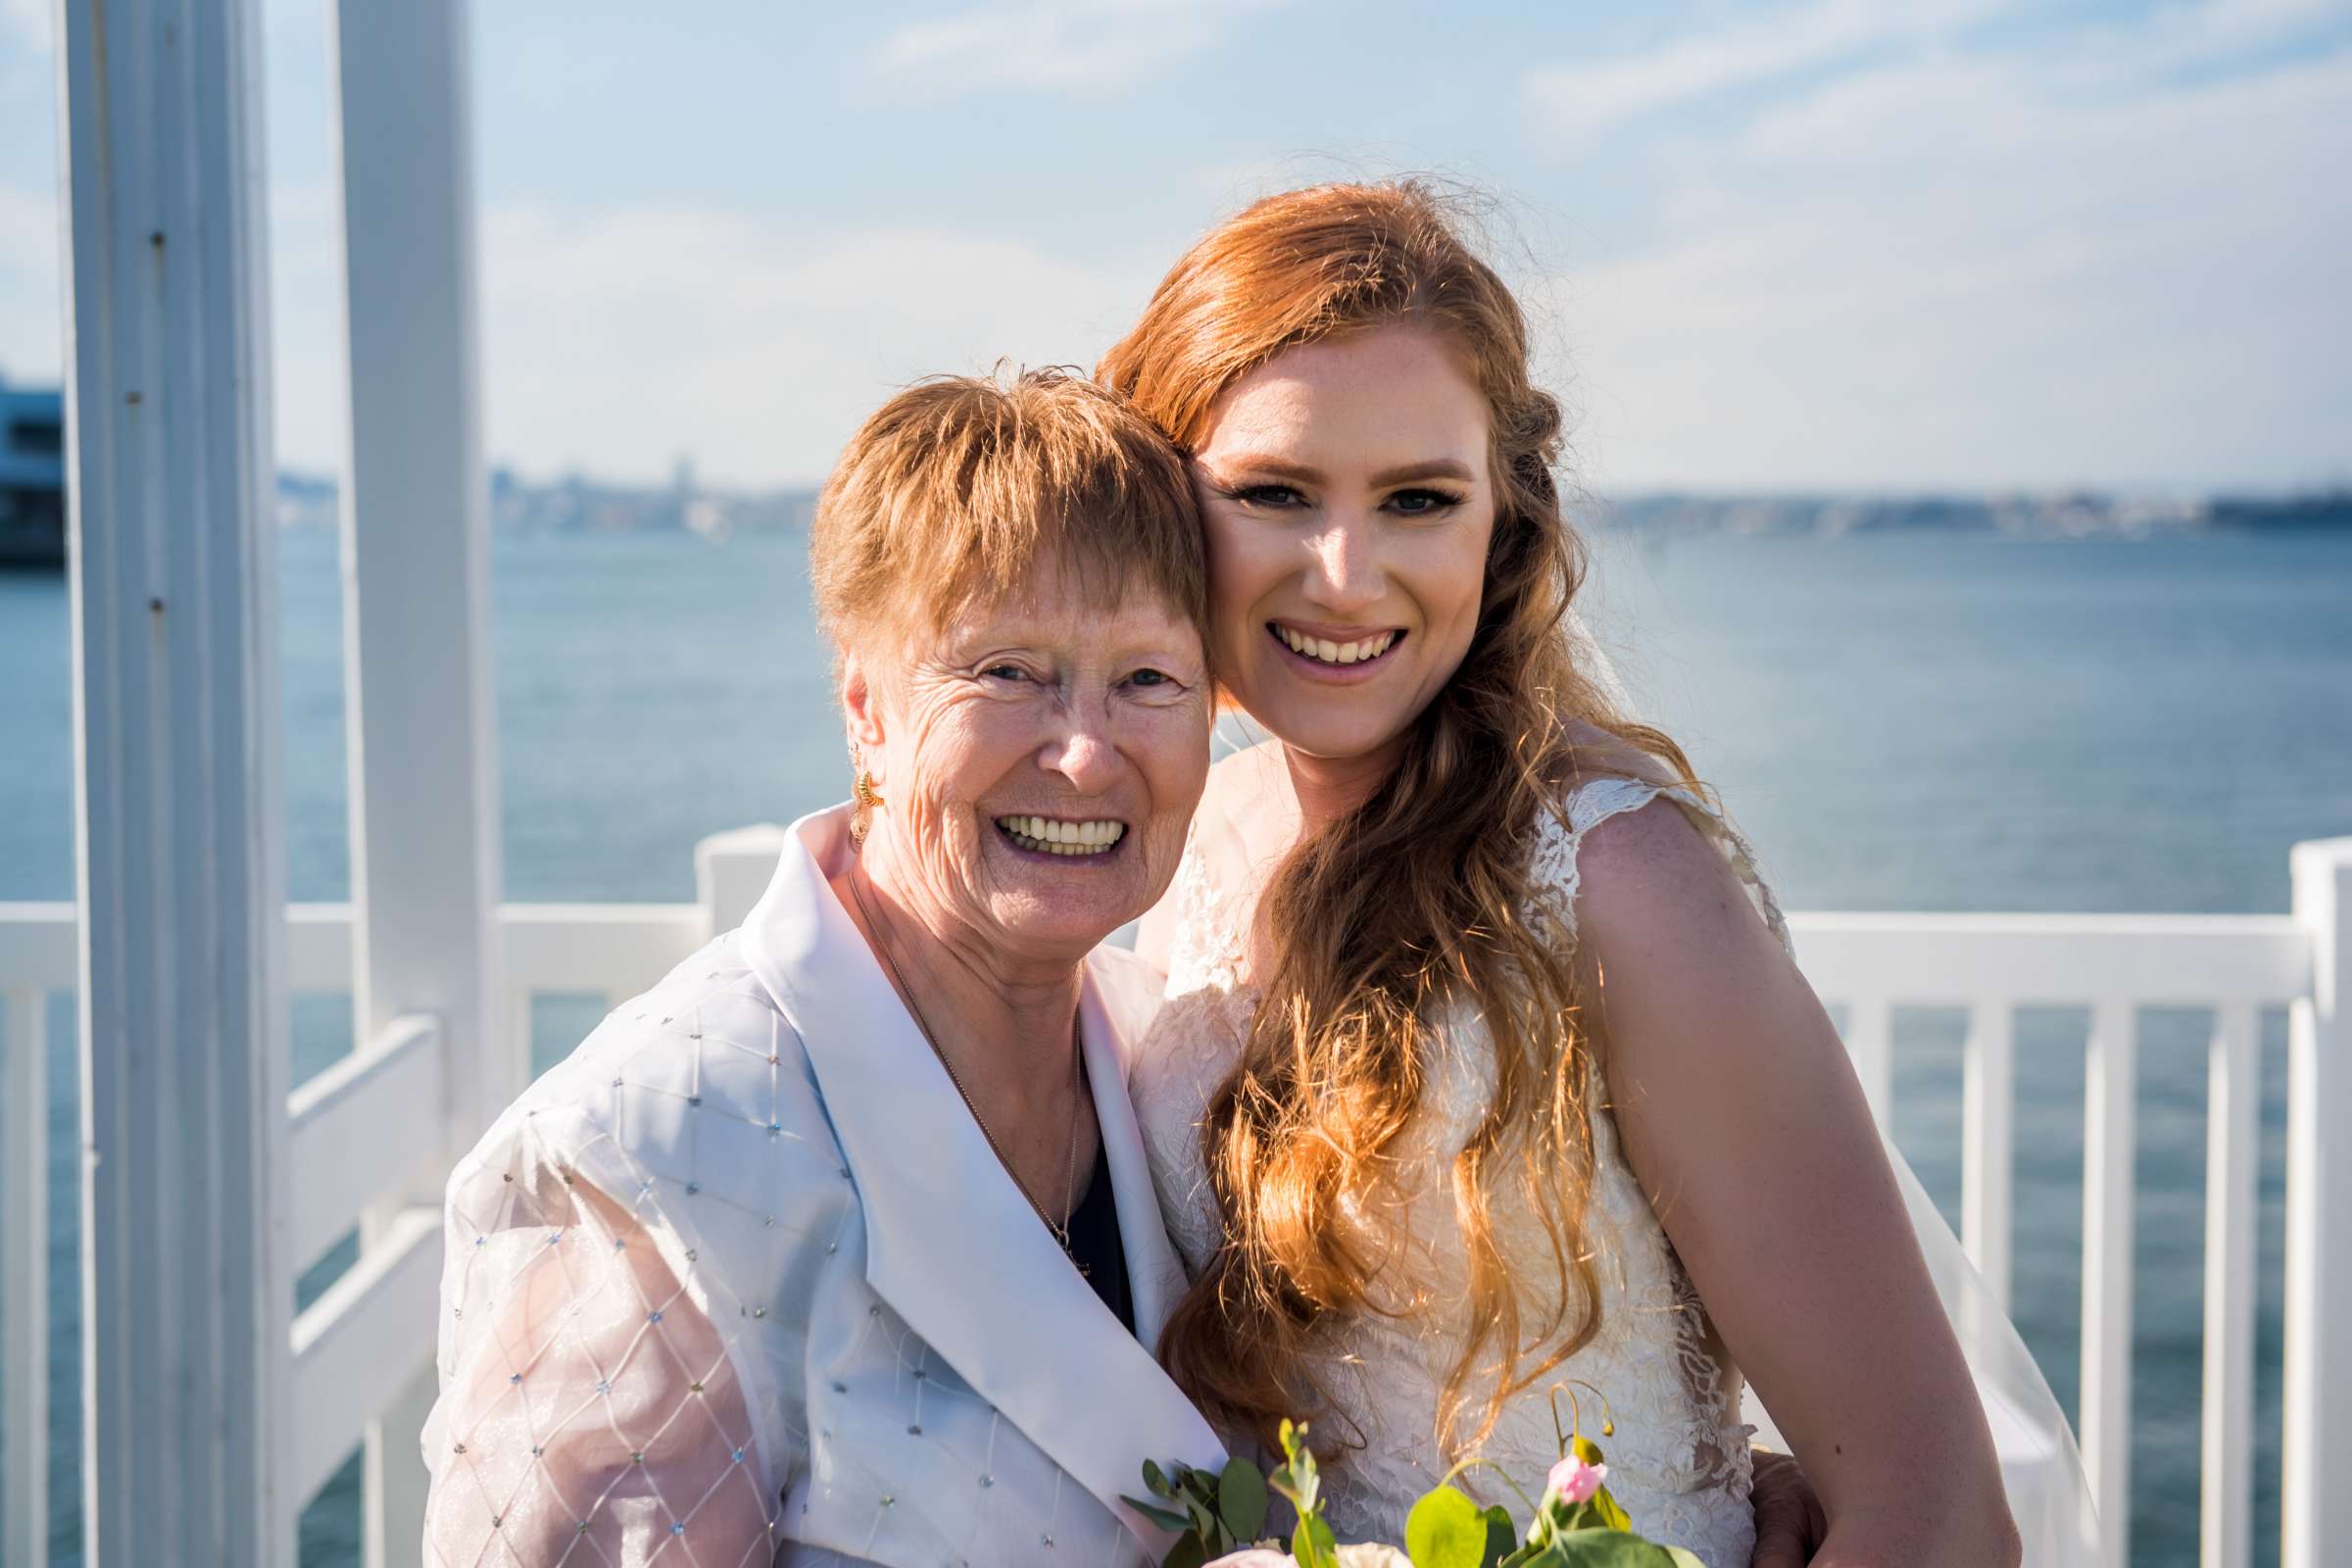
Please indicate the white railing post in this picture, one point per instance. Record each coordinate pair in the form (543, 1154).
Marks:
(2110, 1095)
(25, 1267)
(2232, 1128)
(731, 870)
(1988, 1146)
(2316, 1444)
(422, 748)
(180, 869)
(1870, 1042)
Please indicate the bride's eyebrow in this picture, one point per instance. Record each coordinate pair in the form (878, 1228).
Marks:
(1227, 470)
(1435, 468)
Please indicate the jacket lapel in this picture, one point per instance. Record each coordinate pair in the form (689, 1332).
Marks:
(951, 1242)
(1122, 993)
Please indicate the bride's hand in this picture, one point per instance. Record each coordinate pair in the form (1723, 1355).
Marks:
(1790, 1525)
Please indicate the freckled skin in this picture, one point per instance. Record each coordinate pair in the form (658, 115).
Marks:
(1308, 524)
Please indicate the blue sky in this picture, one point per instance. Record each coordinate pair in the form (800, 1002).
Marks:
(1815, 243)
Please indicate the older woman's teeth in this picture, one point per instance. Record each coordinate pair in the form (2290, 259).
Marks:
(1057, 837)
(1324, 650)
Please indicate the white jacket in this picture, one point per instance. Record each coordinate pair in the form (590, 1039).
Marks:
(743, 1271)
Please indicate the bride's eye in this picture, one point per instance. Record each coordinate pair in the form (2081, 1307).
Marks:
(1423, 503)
(1273, 497)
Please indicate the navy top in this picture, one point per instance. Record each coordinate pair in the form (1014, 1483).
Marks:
(1094, 1245)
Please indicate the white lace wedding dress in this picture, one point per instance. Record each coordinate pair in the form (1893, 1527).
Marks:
(1678, 1460)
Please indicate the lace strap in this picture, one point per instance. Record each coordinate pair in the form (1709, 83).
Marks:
(1594, 802)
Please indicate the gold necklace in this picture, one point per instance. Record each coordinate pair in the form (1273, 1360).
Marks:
(1060, 1231)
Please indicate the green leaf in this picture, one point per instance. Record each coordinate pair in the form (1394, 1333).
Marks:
(1156, 1481)
(1186, 1554)
(1156, 1514)
(1681, 1558)
(1313, 1545)
(1204, 1523)
(1585, 1449)
(1241, 1499)
(1607, 1549)
(1446, 1530)
(1503, 1536)
(1608, 1513)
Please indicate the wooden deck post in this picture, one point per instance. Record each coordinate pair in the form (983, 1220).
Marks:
(422, 752)
(2316, 1444)
(180, 867)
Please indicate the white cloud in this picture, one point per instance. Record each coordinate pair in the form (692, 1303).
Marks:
(1969, 270)
(613, 341)
(616, 340)
(1580, 97)
(1056, 44)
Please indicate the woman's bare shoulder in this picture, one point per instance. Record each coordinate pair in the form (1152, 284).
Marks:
(1649, 881)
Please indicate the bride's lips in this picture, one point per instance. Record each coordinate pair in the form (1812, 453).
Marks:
(1374, 648)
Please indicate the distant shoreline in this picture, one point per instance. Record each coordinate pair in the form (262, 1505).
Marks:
(580, 506)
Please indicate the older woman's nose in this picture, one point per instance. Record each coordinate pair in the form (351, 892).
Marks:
(1084, 756)
(1344, 575)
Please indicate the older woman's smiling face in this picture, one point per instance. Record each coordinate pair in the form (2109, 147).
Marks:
(1039, 761)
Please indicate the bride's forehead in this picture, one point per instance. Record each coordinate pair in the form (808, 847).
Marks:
(1326, 404)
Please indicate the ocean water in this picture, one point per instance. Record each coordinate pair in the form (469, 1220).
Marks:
(1900, 722)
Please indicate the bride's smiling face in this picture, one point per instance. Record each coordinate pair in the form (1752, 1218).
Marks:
(1348, 499)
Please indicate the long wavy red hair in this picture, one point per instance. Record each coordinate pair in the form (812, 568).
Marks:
(1421, 897)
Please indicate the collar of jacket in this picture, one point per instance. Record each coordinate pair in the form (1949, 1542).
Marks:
(951, 1245)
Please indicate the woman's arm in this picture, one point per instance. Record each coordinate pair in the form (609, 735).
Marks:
(1747, 1128)
(584, 1396)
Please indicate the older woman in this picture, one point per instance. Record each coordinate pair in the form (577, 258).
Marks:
(839, 1243)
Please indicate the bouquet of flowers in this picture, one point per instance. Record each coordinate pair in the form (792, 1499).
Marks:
(1219, 1516)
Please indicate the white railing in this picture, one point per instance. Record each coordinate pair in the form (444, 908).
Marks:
(2115, 964)
(349, 1133)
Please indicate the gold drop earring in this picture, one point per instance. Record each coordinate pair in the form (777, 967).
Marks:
(865, 796)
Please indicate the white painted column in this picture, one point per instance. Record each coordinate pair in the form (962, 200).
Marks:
(2232, 1145)
(1870, 1042)
(1988, 1144)
(2316, 1444)
(181, 869)
(732, 869)
(2110, 1092)
(422, 744)
(25, 1276)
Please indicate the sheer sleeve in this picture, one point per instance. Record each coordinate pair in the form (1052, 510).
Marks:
(586, 1398)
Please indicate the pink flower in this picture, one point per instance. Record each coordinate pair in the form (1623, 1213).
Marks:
(1576, 1481)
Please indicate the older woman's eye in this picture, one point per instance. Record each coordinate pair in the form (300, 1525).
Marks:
(1152, 677)
(1005, 672)
(1423, 503)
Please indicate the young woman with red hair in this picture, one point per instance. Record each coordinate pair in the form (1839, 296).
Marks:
(1486, 1065)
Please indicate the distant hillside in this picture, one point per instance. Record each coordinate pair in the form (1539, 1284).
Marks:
(580, 505)
(2064, 514)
